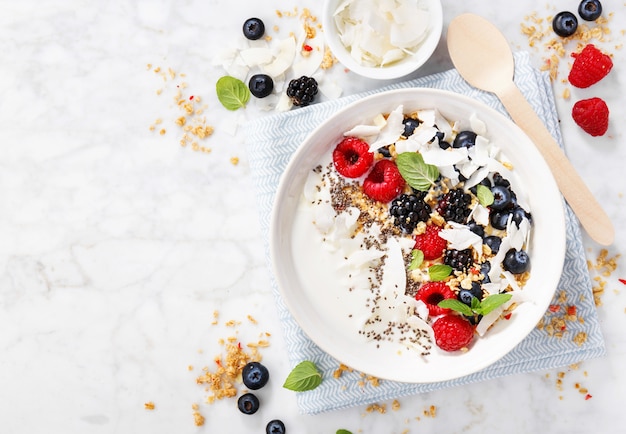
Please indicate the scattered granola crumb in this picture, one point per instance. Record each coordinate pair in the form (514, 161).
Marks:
(395, 405)
(234, 161)
(431, 412)
(380, 408)
(198, 419)
(193, 125)
(149, 405)
(603, 267)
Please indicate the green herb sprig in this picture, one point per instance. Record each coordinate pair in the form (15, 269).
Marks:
(478, 307)
(305, 376)
(232, 92)
(416, 172)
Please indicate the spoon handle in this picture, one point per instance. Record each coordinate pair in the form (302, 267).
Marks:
(589, 212)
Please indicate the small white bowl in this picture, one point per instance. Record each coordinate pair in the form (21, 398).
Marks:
(318, 313)
(394, 70)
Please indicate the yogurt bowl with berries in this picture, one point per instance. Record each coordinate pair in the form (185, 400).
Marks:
(417, 235)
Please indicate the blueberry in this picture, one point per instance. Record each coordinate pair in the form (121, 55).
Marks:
(465, 296)
(409, 126)
(502, 198)
(384, 151)
(275, 427)
(443, 144)
(516, 261)
(248, 403)
(500, 180)
(590, 10)
(476, 228)
(485, 268)
(520, 214)
(565, 24)
(255, 375)
(464, 139)
(493, 242)
(261, 85)
(253, 28)
(499, 219)
(439, 135)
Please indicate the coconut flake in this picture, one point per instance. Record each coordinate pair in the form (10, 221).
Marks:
(377, 32)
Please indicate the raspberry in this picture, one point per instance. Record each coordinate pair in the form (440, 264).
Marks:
(352, 157)
(590, 66)
(384, 182)
(432, 293)
(592, 115)
(430, 243)
(453, 332)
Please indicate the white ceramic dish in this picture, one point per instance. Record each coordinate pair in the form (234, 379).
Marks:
(395, 70)
(314, 311)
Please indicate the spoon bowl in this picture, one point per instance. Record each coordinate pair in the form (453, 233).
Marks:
(484, 59)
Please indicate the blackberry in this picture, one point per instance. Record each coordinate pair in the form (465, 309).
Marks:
(460, 260)
(302, 90)
(454, 206)
(408, 210)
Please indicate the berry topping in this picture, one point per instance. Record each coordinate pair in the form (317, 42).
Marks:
(592, 115)
(408, 210)
(261, 85)
(430, 243)
(409, 126)
(453, 332)
(432, 293)
(248, 403)
(590, 10)
(565, 24)
(454, 206)
(590, 66)
(466, 295)
(460, 260)
(255, 375)
(384, 183)
(516, 261)
(464, 139)
(352, 157)
(275, 427)
(476, 228)
(253, 28)
(302, 90)
(502, 197)
(493, 242)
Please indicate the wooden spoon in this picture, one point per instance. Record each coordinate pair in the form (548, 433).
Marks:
(484, 59)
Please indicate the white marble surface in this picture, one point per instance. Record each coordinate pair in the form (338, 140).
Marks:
(117, 244)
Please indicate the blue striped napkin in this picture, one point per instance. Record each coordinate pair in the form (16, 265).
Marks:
(273, 139)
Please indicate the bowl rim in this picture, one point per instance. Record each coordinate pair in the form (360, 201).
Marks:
(396, 70)
(286, 190)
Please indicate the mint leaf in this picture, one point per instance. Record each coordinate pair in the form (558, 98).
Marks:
(416, 172)
(492, 302)
(417, 257)
(439, 272)
(303, 377)
(456, 305)
(484, 194)
(232, 92)
(343, 431)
